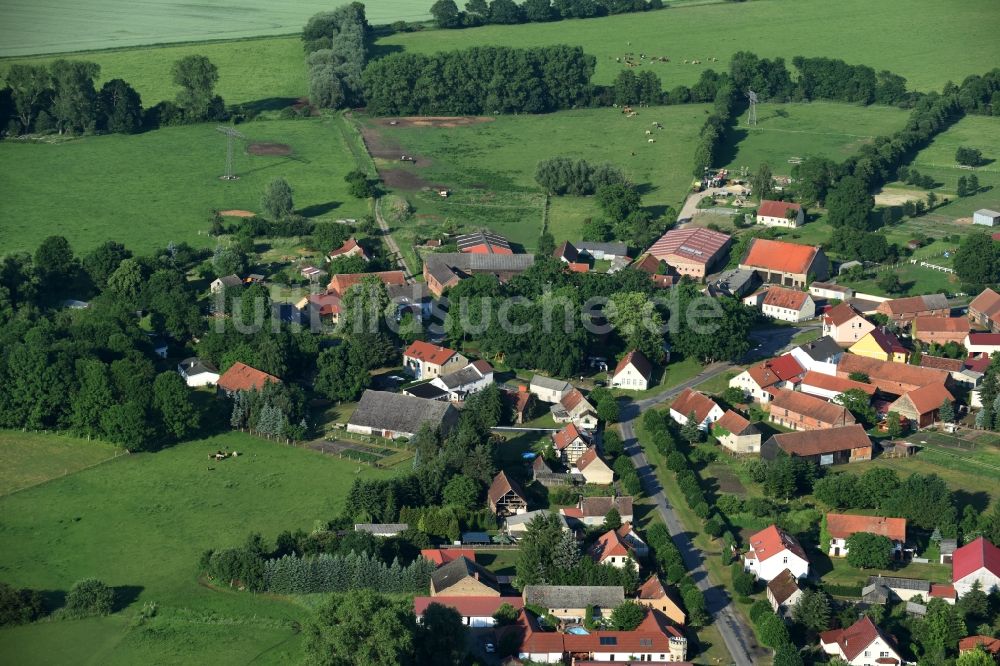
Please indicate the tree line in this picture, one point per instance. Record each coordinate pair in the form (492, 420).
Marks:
(63, 98)
(507, 12)
(336, 46)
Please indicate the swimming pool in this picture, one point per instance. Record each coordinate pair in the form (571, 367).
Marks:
(579, 631)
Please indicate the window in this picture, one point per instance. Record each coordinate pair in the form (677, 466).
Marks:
(646, 642)
(784, 560)
(883, 654)
(867, 653)
(609, 640)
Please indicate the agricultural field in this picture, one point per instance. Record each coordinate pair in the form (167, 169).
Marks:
(824, 129)
(32, 458)
(62, 25)
(146, 190)
(489, 164)
(920, 40)
(140, 523)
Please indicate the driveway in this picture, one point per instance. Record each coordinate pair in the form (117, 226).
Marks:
(691, 205)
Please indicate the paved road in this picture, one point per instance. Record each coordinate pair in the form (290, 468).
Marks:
(736, 634)
(390, 241)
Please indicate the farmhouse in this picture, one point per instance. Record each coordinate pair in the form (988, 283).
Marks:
(940, 330)
(833, 446)
(846, 325)
(880, 344)
(462, 577)
(892, 378)
(829, 387)
(591, 510)
(653, 594)
(692, 251)
(783, 592)
(475, 611)
(569, 444)
(611, 549)
(779, 214)
(517, 524)
(446, 269)
(395, 415)
(981, 344)
(341, 282)
(820, 355)
(976, 561)
(574, 408)
(570, 602)
(986, 217)
(483, 242)
(788, 304)
(593, 468)
(506, 497)
(920, 406)
(984, 310)
(549, 390)
(761, 380)
(901, 311)
(632, 372)
(197, 372)
(657, 269)
(772, 550)
(424, 360)
(787, 264)
(705, 410)
(459, 385)
(841, 526)
(225, 282)
(736, 434)
(350, 248)
(861, 644)
(801, 411)
(241, 377)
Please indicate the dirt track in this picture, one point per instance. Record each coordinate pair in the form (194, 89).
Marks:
(268, 148)
(435, 121)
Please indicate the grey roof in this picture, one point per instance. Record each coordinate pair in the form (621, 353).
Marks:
(525, 518)
(458, 570)
(381, 528)
(467, 375)
(401, 413)
(426, 390)
(481, 238)
(231, 280)
(901, 583)
(863, 305)
(408, 293)
(822, 349)
(480, 263)
(574, 596)
(734, 282)
(618, 249)
(549, 383)
(196, 366)
(987, 211)
(475, 537)
(936, 301)
(914, 608)
(948, 546)
(593, 507)
(875, 593)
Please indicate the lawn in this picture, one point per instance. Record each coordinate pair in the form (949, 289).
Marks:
(149, 189)
(490, 166)
(63, 25)
(140, 523)
(32, 458)
(916, 39)
(914, 279)
(824, 129)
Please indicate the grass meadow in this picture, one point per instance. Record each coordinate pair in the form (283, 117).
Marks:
(145, 190)
(63, 25)
(923, 40)
(140, 523)
(32, 458)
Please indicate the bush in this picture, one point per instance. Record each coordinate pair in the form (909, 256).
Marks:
(90, 597)
(759, 609)
(18, 606)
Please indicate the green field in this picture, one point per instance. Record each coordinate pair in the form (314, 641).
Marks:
(492, 164)
(140, 523)
(148, 189)
(824, 129)
(63, 25)
(921, 40)
(32, 458)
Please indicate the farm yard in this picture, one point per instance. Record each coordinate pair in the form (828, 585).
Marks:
(161, 186)
(108, 521)
(53, 27)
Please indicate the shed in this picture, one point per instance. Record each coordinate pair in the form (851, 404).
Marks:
(986, 217)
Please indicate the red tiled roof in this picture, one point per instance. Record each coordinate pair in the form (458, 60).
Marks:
(483, 242)
(425, 351)
(467, 606)
(502, 485)
(843, 525)
(812, 407)
(913, 304)
(941, 363)
(598, 507)
(652, 635)
(840, 314)
(566, 436)
(694, 244)
(341, 282)
(638, 360)
(829, 440)
(773, 540)
(788, 299)
(782, 369)
(854, 639)
(482, 366)
(770, 208)
(348, 246)
(990, 644)
(241, 377)
(780, 256)
(939, 324)
(732, 422)
(571, 399)
(578, 267)
(607, 545)
(984, 338)
(887, 376)
(928, 398)
(988, 303)
(588, 457)
(693, 401)
(441, 556)
(977, 364)
(832, 383)
(783, 586)
(652, 589)
(943, 591)
(328, 303)
(974, 556)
